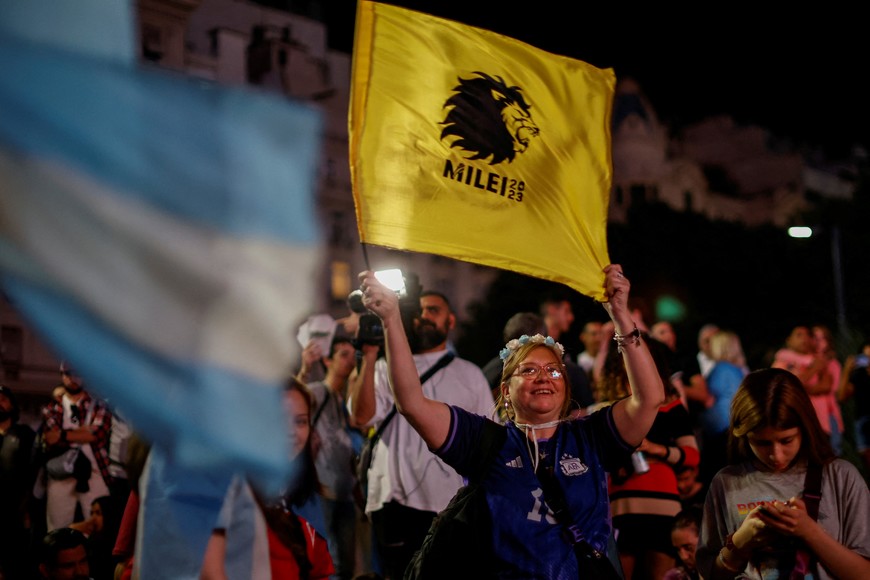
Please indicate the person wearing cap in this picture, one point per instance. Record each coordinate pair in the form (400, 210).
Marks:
(83, 421)
(16, 479)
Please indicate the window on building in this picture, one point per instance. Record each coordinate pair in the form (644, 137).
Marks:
(11, 341)
(152, 43)
(340, 280)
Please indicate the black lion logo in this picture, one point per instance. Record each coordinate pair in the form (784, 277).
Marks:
(489, 118)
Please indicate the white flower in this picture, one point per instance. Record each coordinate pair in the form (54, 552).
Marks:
(548, 341)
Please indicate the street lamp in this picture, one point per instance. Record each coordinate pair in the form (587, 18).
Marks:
(836, 262)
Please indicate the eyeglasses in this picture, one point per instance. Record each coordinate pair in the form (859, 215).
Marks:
(532, 371)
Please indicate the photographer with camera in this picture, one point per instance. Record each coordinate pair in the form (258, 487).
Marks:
(408, 485)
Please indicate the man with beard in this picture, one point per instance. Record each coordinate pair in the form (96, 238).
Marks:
(409, 485)
(77, 420)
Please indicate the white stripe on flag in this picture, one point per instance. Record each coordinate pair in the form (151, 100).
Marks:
(171, 286)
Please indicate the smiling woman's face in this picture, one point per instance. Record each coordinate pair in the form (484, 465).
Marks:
(539, 397)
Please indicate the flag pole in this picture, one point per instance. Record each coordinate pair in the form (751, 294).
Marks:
(365, 254)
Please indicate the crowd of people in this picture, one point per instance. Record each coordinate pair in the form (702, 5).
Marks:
(663, 465)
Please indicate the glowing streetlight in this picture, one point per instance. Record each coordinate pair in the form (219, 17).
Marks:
(800, 232)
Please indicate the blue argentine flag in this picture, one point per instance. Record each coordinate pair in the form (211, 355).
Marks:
(159, 232)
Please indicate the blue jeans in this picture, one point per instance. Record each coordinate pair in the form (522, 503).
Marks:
(340, 517)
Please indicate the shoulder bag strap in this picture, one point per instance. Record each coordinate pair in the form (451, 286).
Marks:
(555, 498)
(812, 496)
(439, 364)
(326, 395)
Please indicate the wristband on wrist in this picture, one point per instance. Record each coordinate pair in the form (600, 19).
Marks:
(621, 340)
(63, 435)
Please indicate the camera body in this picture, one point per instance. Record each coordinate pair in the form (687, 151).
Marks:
(371, 331)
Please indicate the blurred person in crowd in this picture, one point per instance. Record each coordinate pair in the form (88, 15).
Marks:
(684, 538)
(124, 548)
(296, 550)
(101, 530)
(724, 379)
(686, 376)
(78, 420)
(64, 556)
(337, 445)
(704, 356)
(855, 389)
(819, 372)
(785, 506)
(558, 316)
(823, 339)
(692, 490)
(644, 496)
(590, 336)
(16, 481)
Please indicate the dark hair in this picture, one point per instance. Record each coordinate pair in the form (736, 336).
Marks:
(777, 399)
(112, 511)
(524, 323)
(440, 295)
(613, 384)
(689, 517)
(552, 297)
(288, 529)
(55, 541)
(338, 340)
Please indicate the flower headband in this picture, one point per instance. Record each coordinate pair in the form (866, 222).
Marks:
(512, 345)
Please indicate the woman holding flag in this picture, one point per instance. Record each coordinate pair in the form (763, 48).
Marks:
(543, 448)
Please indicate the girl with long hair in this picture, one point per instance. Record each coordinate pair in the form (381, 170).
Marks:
(763, 517)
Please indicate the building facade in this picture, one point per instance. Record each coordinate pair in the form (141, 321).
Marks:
(717, 168)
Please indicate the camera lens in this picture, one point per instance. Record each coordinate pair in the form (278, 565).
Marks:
(355, 302)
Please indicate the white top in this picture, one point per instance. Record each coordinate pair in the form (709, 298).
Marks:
(403, 468)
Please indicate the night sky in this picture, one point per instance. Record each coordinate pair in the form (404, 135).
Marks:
(802, 75)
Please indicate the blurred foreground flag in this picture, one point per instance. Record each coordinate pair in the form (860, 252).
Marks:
(159, 232)
(473, 145)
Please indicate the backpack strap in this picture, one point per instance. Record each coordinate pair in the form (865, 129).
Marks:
(813, 490)
(439, 364)
(492, 438)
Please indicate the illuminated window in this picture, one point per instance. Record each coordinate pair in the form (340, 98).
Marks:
(340, 283)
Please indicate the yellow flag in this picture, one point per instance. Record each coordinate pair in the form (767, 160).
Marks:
(472, 145)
